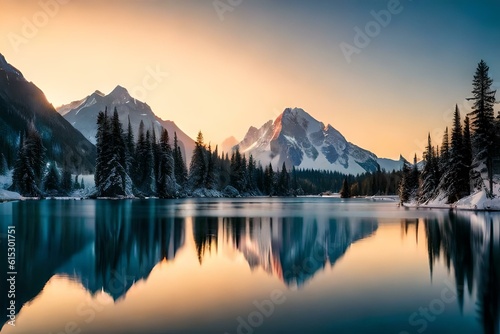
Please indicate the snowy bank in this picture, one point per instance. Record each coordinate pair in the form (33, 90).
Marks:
(6, 195)
(478, 201)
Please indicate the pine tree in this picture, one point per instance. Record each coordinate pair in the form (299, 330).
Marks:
(130, 143)
(198, 166)
(251, 173)
(76, 184)
(29, 166)
(482, 124)
(66, 183)
(3, 165)
(467, 154)
(429, 178)
(212, 174)
(345, 191)
(144, 177)
(155, 148)
(166, 181)
(269, 180)
(111, 174)
(283, 181)
(52, 180)
(444, 159)
(409, 184)
(180, 169)
(238, 171)
(103, 150)
(456, 181)
(117, 182)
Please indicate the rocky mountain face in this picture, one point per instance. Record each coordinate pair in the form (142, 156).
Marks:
(22, 102)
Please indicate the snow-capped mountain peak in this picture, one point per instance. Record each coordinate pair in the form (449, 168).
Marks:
(298, 139)
(82, 115)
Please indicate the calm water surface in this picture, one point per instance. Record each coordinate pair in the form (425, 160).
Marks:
(303, 265)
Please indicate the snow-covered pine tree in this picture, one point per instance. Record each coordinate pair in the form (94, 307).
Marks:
(111, 174)
(482, 126)
(429, 178)
(409, 184)
(117, 182)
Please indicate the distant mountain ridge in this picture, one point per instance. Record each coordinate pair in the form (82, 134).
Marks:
(82, 114)
(22, 102)
(298, 139)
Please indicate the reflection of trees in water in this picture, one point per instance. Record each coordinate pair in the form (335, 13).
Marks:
(469, 244)
(131, 238)
(290, 248)
(44, 241)
(205, 233)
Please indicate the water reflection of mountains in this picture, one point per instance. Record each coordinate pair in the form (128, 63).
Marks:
(469, 244)
(120, 242)
(293, 249)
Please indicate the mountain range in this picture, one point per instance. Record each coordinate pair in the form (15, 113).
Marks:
(294, 137)
(82, 114)
(22, 102)
(298, 139)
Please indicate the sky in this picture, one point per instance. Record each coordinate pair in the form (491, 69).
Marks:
(383, 73)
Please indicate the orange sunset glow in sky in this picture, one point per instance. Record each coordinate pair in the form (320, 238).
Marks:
(224, 72)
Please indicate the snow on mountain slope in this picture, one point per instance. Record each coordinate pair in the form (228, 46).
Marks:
(390, 165)
(82, 115)
(298, 139)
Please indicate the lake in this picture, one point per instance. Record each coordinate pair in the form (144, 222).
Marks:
(252, 265)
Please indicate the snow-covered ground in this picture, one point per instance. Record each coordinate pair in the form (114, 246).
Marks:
(476, 201)
(6, 182)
